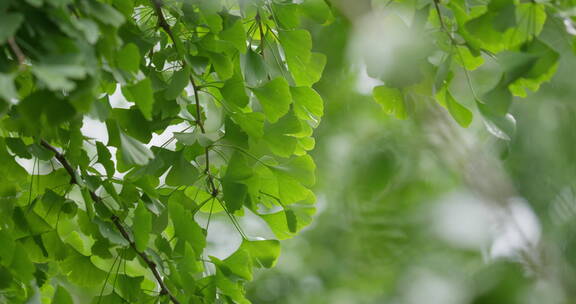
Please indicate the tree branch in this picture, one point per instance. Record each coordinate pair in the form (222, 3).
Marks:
(115, 220)
(17, 51)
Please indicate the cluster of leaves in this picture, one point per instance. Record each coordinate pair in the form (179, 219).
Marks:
(471, 35)
(118, 220)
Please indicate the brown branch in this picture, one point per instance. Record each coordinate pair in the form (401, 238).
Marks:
(62, 160)
(162, 20)
(197, 101)
(115, 220)
(17, 51)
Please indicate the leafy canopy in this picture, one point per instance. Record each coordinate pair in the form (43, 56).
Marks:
(226, 85)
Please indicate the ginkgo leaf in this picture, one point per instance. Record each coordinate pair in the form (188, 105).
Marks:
(186, 228)
(9, 22)
(460, 113)
(142, 94)
(62, 296)
(391, 100)
(128, 58)
(264, 253)
(182, 173)
(307, 102)
(81, 271)
(180, 80)
(275, 98)
(142, 227)
(236, 35)
(134, 152)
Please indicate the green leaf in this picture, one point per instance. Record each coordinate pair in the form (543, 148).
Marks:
(252, 123)
(499, 98)
(105, 158)
(284, 225)
(7, 88)
(22, 267)
(105, 13)
(5, 277)
(275, 98)
(307, 102)
(188, 263)
(287, 15)
(542, 70)
(186, 228)
(62, 296)
(142, 227)
(239, 264)
(465, 58)
(59, 76)
(130, 288)
(128, 58)
(134, 152)
(9, 23)
(391, 100)
(142, 94)
(460, 113)
(234, 91)
(291, 220)
(132, 122)
(235, 35)
(18, 147)
(80, 270)
(183, 173)
(301, 168)
(280, 135)
(306, 67)
(235, 194)
(180, 80)
(506, 27)
(317, 10)
(254, 69)
(500, 125)
(222, 64)
(264, 253)
(229, 287)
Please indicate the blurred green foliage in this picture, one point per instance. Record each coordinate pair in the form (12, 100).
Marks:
(382, 181)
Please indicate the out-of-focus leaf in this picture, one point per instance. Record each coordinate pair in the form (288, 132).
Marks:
(460, 113)
(391, 100)
(128, 58)
(62, 296)
(7, 88)
(9, 23)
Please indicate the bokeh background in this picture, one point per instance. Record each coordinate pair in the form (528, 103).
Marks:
(424, 211)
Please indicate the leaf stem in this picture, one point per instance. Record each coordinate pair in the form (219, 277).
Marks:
(166, 27)
(262, 38)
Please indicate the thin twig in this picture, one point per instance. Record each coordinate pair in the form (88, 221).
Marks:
(115, 220)
(166, 27)
(17, 51)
